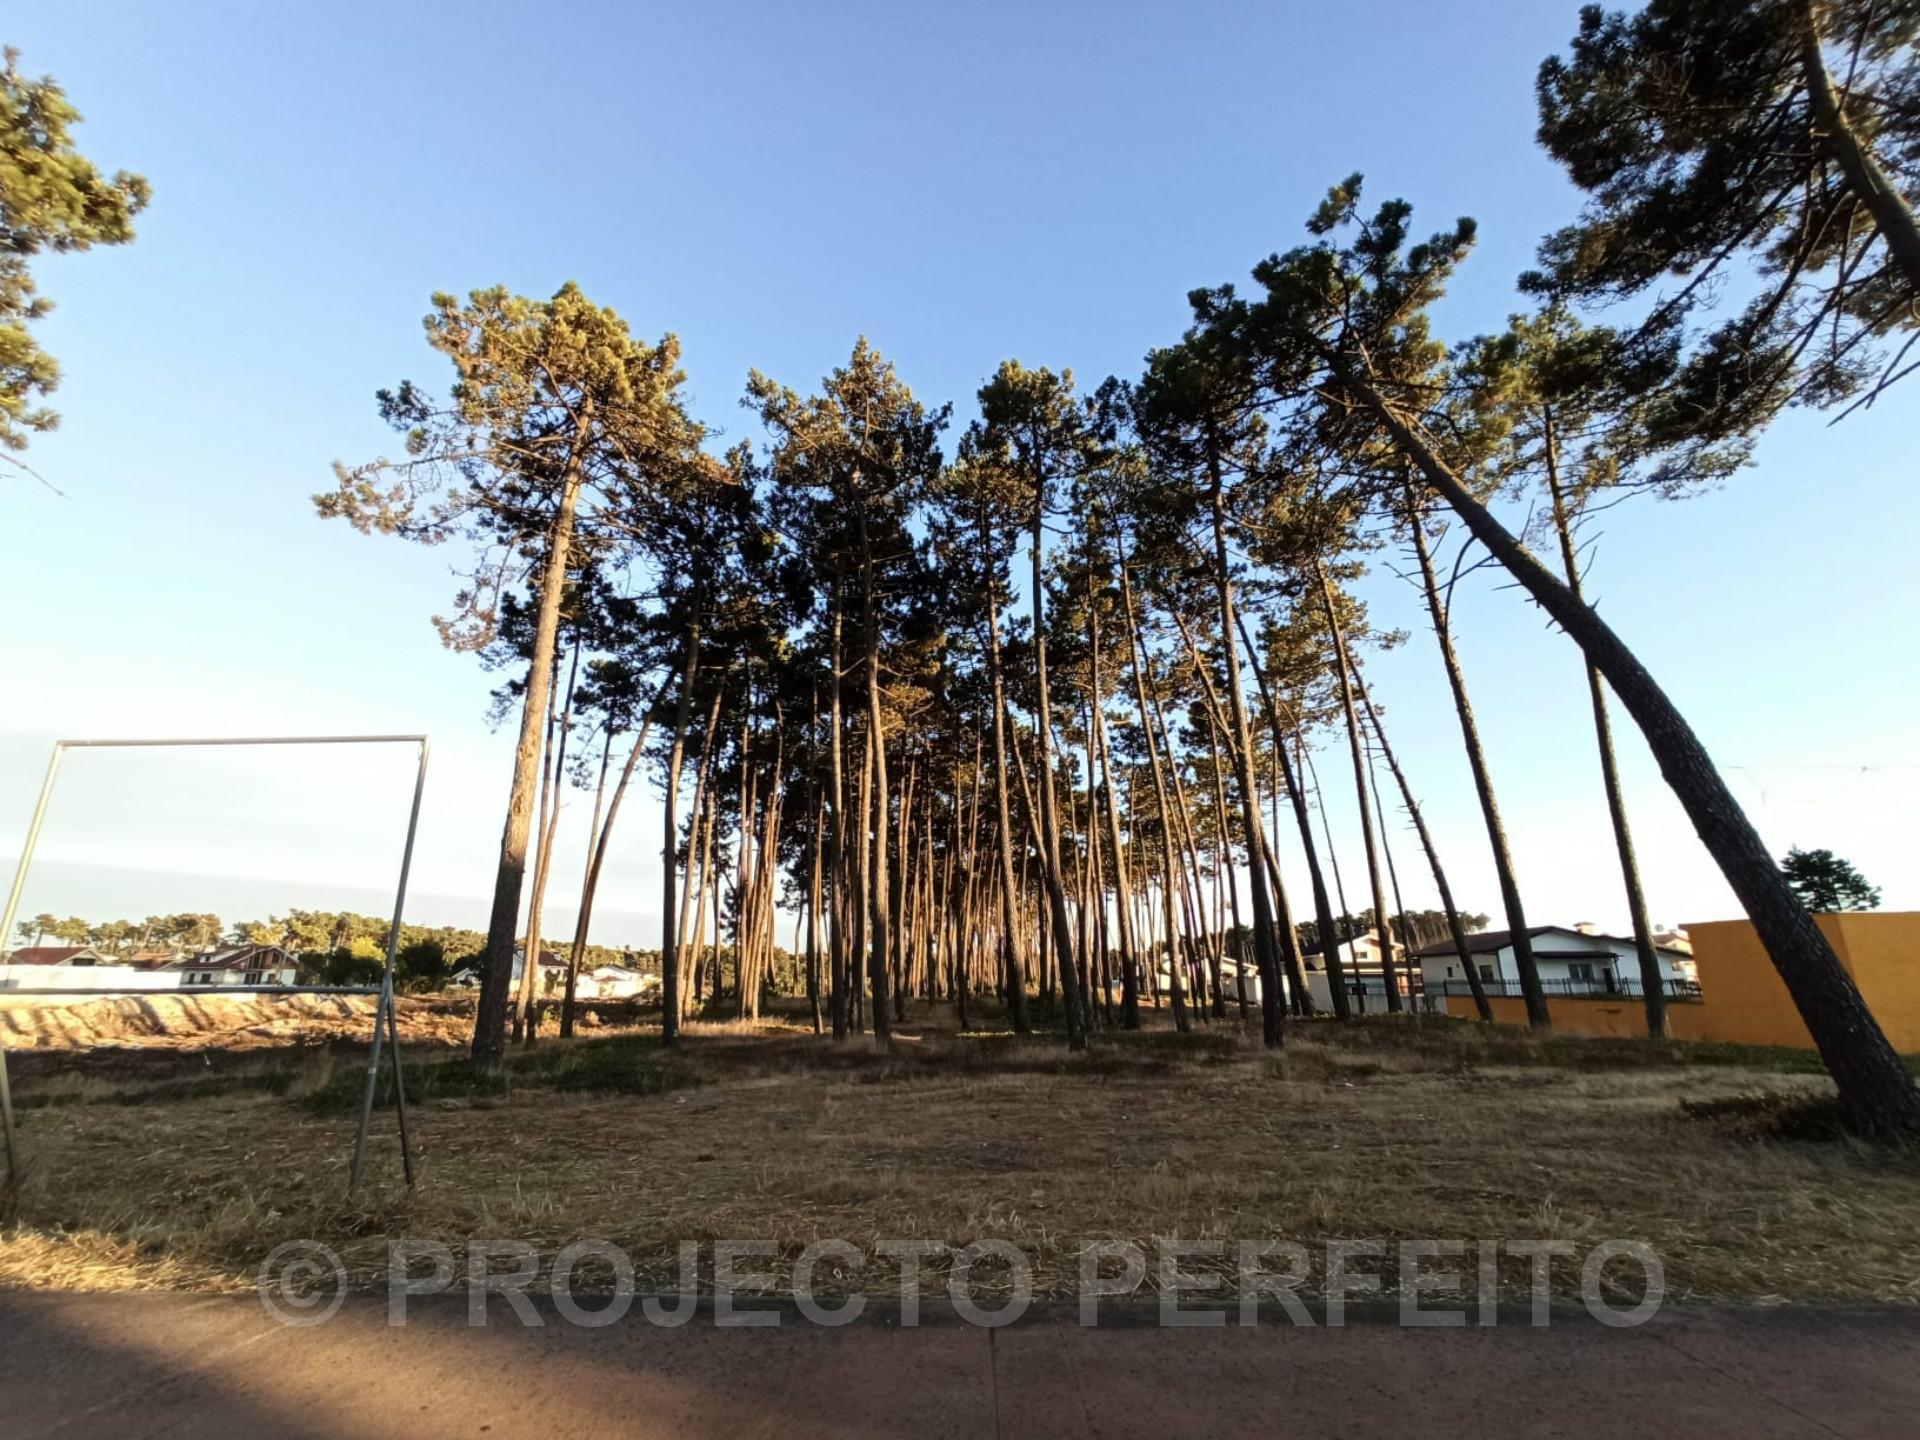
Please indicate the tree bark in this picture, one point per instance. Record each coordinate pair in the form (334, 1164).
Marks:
(1834, 134)
(1518, 935)
(489, 1025)
(669, 855)
(1135, 644)
(1296, 795)
(1266, 947)
(1123, 889)
(1455, 930)
(836, 923)
(528, 1021)
(590, 887)
(1049, 814)
(1652, 986)
(1343, 664)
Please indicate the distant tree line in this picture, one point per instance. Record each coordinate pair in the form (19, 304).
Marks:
(338, 947)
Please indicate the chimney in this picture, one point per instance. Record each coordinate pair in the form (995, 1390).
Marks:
(1587, 927)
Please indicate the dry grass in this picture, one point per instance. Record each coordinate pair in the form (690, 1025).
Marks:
(1389, 1131)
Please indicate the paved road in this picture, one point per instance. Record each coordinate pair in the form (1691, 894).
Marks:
(128, 1366)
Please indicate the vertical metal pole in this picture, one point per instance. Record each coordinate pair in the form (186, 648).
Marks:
(400, 1091)
(384, 1006)
(6, 1108)
(26, 850)
(6, 940)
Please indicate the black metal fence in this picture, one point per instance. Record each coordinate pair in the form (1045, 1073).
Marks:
(1602, 987)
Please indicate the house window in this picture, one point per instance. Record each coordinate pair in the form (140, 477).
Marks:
(255, 977)
(1580, 970)
(1449, 972)
(1486, 972)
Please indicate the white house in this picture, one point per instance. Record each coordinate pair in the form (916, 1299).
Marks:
(238, 965)
(1572, 960)
(553, 972)
(615, 982)
(602, 982)
(1359, 959)
(78, 967)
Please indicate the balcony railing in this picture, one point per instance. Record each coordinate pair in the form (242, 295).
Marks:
(1603, 987)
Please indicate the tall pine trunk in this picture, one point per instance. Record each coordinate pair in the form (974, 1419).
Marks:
(1266, 945)
(1653, 988)
(1518, 936)
(1297, 797)
(669, 853)
(1456, 931)
(527, 1021)
(1343, 663)
(590, 886)
(1135, 645)
(489, 1025)
(1875, 1086)
(1049, 818)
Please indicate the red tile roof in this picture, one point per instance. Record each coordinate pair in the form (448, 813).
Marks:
(49, 954)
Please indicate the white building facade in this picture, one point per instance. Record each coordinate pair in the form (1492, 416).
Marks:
(1572, 960)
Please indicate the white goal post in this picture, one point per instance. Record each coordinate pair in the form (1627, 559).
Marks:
(385, 1026)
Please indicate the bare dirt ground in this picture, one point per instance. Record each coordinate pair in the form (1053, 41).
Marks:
(1388, 1130)
(131, 1036)
(169, 1020)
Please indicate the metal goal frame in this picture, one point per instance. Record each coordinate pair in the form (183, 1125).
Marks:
(384, 1023)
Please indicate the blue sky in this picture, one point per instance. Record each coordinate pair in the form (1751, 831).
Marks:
(961, 184)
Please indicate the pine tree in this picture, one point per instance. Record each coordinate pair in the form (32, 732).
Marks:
(1826, 884)
(52, 199)
(559, 427)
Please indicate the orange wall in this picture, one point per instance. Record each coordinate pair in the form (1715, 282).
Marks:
(1882, 949)
(1585, 1015)
(1743, 999)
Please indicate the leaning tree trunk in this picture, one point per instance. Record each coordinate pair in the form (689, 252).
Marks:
(1135, 644)
(878, 922)
(1892, 216)
(528, 1020)
(1296, 795)
(814, 891)
(1263, 867)
(489, 1024)
(1122, 885)
(1009, 953)
(1393, 875)
(669, 854)
(526, 986)
(1344, 666)
(838, 1001)
(1266, 947)
(1518, 935)
(1876, 1088)
(1049, 817)
(570, 993)
(1455, 930)
(1653, 987)
(590, 886)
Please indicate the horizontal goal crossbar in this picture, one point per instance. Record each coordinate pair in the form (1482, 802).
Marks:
(248, 740)
(189, 993)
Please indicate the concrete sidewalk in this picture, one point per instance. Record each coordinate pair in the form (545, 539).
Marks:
(126, 1366)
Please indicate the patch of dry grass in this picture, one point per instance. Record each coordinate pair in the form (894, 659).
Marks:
(1384, 1131)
